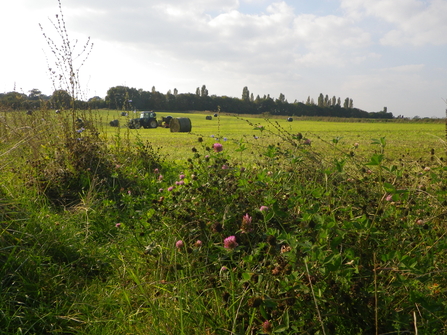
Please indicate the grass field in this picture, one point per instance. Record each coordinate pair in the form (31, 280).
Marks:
(303, 227)
(415, 140)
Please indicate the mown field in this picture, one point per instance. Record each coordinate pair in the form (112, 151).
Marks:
(244, 226)
(414, 140)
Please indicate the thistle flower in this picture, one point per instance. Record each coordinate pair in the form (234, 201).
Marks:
(230, 242)
(179, 244)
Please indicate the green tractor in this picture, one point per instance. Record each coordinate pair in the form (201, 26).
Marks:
(146, 120)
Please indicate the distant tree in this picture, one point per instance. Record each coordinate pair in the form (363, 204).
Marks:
(252, 97)
(96, 102)
(333, 101)
(346, 103)
(308, 103)
(175, 92)
(321, 100)
(203, 91)
(153, 89)
(351, 103)
(61, 99)
(338, 101)
(326, 101)
(282, 98)
(34, 94)
(245, 94)
(198, 91)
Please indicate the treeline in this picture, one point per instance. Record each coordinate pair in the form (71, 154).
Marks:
(127, 98)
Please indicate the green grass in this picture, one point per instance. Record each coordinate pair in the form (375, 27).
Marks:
(413, 140)
(353, 240)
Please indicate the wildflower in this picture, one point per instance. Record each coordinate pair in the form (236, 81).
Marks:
(212, 136)
(389, 197)
(255, 137)
(420, 222)
(198, 243)
(156, 170)
(246, 223)
(356, 145)
(269, 173)
(170, 188)
(224, 167)
(263, 208)
(230, 242)
(225, 139)
(267, 327)
(307, 142)
(117, 225)
(217, 147)
(179, 244)
(182, 176)
(427, 168)
(160, 177)
(160, 190)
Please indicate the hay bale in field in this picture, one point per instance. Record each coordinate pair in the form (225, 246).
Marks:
(123, 114)
(215, 115)
(290, 119)
(180, 124)
(114, 123)
(208, 117)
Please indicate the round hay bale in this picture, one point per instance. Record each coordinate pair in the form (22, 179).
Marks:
(114, 123)
(290, 119)
(180, 124)
(208, 117)
(215, 115)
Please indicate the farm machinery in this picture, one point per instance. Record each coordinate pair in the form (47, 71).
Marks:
(146, 120)
(149, 120)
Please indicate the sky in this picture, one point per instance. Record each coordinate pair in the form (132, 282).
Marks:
(381, 53)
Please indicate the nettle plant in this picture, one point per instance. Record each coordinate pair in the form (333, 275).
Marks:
(295, 243)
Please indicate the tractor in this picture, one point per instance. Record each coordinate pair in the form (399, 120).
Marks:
(146, 120)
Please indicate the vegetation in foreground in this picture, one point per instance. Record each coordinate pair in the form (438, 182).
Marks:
(278, 237)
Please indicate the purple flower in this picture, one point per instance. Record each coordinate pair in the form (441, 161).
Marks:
(230, 242)
(198, 243)
(263, 208)
(179, 244)
(225, 139)
(217, 147)
(117, 225)
(224, 167)
(160, 177)
(212, 136)
(156, 170)
(160, 190)
(246, 223)
(182, 176)
(170, 188)
(307, 142)
(389, 197)
(267, 327)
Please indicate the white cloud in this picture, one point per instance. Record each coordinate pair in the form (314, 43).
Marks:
(414, 22)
